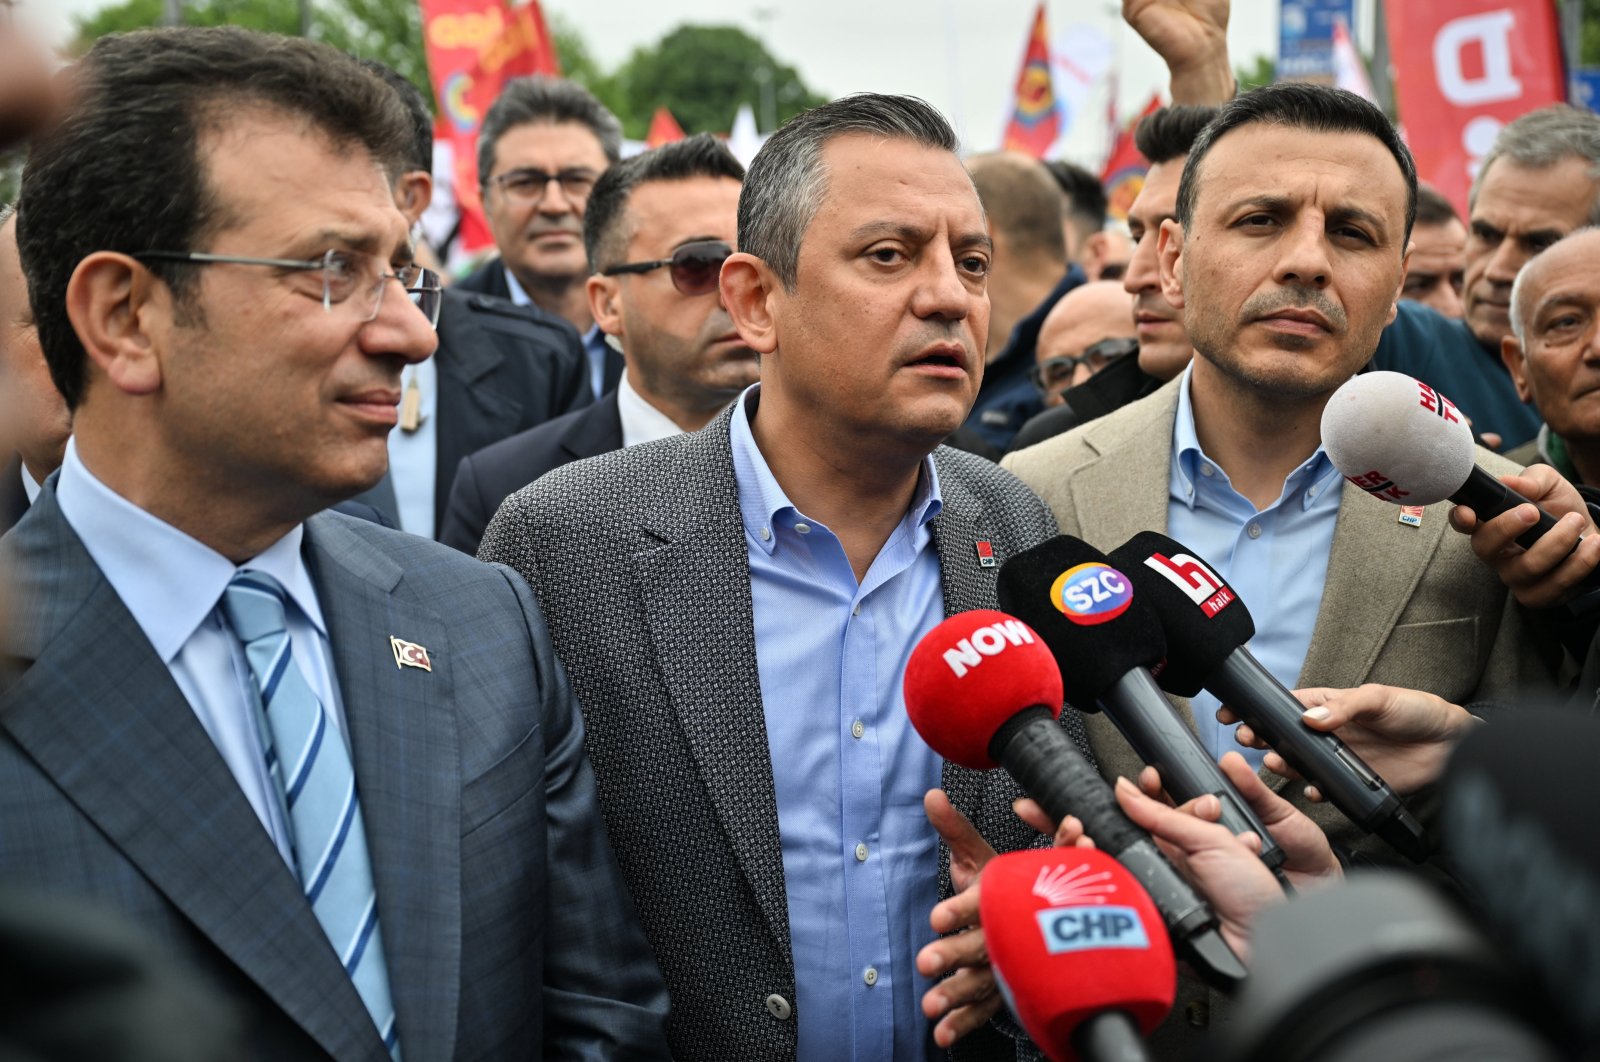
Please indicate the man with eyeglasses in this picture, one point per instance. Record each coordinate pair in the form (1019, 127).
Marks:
(658, 228)
(544, 143)
(334, 767)
(1087, 331)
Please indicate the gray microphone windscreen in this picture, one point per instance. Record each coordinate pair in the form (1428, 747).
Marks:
(1397, 438)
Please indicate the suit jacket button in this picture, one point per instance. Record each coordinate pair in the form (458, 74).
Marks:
(1198, 1014)
(779, 1007)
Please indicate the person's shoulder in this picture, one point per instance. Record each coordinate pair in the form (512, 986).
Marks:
(663, 473)
(535, 440)
(478, 309)
(1064, 452)
(389, 554)
(999, 492)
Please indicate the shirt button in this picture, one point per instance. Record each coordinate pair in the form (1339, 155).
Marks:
(870, 976)
(804, 529)
(1206, 470)
(779, 1007)
(861, 857)
(766, 534)
(857, 728)
(1198, 1014)
(1254, 530)
(857, 610)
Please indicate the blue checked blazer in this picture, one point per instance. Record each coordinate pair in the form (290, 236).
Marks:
(507, 930)
(640, 563)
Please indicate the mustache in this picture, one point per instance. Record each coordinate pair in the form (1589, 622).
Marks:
(1293, 297)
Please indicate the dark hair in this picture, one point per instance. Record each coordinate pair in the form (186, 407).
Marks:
(419, 155)
(1086, 196)
(549, 101)
(1022, 203)
(787, 181)
(1298, 106)
(1170, 132)
(1433, 208)
(701, 155)
(122, 172)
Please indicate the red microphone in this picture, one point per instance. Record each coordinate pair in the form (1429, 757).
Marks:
(982, 688)
(1079, 950)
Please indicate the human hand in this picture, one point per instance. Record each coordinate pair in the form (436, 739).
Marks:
(968, 998)
(1546, 574)
(1191, 36)
(26, 93)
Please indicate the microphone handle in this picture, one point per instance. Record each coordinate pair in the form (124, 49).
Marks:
(1110, 1036)
(1152, 726)
(1345, 780)
(1488, 498)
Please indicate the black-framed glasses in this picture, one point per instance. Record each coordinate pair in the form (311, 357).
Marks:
(353, 282)
(1053, 374)
(528, 185)
(695, 266)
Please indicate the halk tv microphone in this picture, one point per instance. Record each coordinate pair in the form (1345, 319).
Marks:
(1207, 629)
(982, 690)
(1079, 952)
(1105, 639)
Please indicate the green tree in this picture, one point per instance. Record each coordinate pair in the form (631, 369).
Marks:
(1589, 43)
(702, 74)
(1261, 71)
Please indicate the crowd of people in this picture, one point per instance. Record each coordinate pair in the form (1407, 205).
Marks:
(512, 668)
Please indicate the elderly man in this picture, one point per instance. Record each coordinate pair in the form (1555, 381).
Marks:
(736, 607)
(1089, 330)
(333, 766)
(658, 228)
(33, 415)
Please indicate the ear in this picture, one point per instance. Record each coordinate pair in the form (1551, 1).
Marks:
(605, 303)
(121, 314)
(412, 194)
(1092, 253)
(1169, 258)
(749, 290)
(1400, 287)
(1517, 364)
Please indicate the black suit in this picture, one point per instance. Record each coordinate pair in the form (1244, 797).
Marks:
(490, 279)
(502, 369)
(488, 477)
(13, 496)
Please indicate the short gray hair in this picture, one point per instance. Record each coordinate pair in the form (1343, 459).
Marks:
(1520, 317)
(549, 101)
(1544, 138)
(787, 180)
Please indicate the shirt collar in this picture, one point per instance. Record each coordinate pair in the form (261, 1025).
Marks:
(762, 501)
(169, 581)
(641, 422)
(1311, 480)
(514, 289)
(30, 486)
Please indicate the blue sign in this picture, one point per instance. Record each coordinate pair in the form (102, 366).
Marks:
(1305, 37)
(1585, 87)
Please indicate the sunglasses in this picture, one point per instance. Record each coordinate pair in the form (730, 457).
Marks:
(695, 267)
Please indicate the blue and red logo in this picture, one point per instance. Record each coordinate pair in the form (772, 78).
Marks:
(1091, 593)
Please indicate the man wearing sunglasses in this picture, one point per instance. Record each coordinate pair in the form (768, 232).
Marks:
(658, 228)
(332, 766)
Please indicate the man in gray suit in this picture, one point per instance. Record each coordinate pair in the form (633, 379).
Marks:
(337, 768)
(736, 606)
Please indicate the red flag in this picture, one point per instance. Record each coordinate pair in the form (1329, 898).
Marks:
(664, 129)
(1465, 69)
(1125, 168)
(474, 46)
(1035, 119)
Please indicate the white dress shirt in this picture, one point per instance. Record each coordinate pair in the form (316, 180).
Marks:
(30, 486)
(641, 422)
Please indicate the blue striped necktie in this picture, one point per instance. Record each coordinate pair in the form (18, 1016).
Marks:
(311, 766)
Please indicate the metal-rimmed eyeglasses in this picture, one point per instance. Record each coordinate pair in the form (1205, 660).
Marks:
(352, 280)
(528, 185)
(695, 267)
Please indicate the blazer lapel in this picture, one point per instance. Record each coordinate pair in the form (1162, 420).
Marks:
(404, 748)
(471, 414)
(99, 713)
(598, 431)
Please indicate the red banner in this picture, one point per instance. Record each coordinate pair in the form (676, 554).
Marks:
(664, 129)
(1125, 168)
(474, 46)
(1035, 119)
(1463, 70)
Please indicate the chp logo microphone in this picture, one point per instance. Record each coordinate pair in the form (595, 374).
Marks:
(1400, 440)
(1208, 630)
(983, 690)
(1079, 951)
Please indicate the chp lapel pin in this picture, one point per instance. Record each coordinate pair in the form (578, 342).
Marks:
(409, 654)
(985, 553)
(1411, 515)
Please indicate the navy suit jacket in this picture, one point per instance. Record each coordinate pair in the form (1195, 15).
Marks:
(507, 931)
(490, 279)
(493, 474)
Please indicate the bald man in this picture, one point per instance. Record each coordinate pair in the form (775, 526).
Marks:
(33, 415)
(1086, 331)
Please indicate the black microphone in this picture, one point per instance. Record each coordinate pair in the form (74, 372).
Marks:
(1104, 639)
(1207, 628)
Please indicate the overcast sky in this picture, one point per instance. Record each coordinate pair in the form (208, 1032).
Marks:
(959, 55)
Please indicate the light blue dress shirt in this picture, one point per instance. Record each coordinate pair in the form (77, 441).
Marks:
(594, 340)
(414, 455)
(1276, 559)
(860, 860)
(172, 585)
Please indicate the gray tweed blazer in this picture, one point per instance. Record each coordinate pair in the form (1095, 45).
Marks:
(640, 562)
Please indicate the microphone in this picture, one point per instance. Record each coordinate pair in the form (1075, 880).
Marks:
(1400, 440)
(1079, 952)
(1105, 638)
(982, 689)
(1207, 629)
